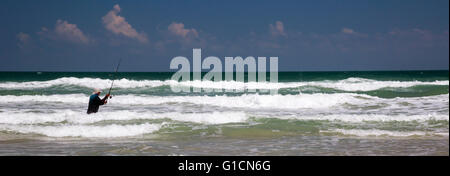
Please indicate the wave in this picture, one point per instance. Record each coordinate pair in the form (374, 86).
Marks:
(313, 101)
(214, 118)
(77, 125)
(370, 118)
(349, 84)
(76, 117)
(381, 133)
(84, 82)
(243, 101)
(84, 130)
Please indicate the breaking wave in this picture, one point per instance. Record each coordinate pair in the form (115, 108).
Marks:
(77, 117)
(349, 84)
(106, 131)
(314, 101)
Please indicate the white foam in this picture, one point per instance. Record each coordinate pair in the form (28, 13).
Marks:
(349, 84)
(84, 130)
(67, 98)
(211, 118)
(361, 84)
(243, 101)
(260, 101)
(84, 82)
(370, 117)
(252, 101)
(380, 133)
(74, 117)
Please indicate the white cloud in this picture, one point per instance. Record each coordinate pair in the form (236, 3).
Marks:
(179, 30)
(347, 31)
(119, 26)
(24, 39)
(65, 31)
(70, 32)
(277, 29)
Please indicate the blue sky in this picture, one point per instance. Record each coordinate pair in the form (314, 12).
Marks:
(321, 35)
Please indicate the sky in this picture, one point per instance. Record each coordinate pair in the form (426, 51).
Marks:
(319, 35)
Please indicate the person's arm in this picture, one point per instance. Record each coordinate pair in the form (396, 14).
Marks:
(99, 101)
(104, 99)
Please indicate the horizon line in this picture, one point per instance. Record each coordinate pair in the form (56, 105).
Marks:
(234, 71)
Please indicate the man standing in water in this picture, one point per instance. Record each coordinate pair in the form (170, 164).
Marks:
(95, 101)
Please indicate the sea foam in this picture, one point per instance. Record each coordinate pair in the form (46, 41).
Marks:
(80, 118)
(314, 101)
(76, 117)
(84, 130)
(349, 84)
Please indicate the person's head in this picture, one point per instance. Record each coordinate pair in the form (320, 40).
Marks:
(97, 91)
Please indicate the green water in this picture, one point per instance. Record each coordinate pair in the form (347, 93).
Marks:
(311, 113)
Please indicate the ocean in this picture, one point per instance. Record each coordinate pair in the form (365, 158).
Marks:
(313, 113)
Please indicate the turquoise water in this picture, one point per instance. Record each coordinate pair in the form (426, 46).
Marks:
(313, 113)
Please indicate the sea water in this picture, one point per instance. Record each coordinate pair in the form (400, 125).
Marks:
(313, 113)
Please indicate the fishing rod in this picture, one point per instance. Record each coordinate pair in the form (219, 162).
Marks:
(112, 83)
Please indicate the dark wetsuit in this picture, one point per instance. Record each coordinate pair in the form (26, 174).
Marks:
(95, 102)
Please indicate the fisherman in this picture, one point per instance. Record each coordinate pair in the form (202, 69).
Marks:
(95, 101)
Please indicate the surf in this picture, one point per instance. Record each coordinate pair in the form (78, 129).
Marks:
(250, 101)
(349, 84)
